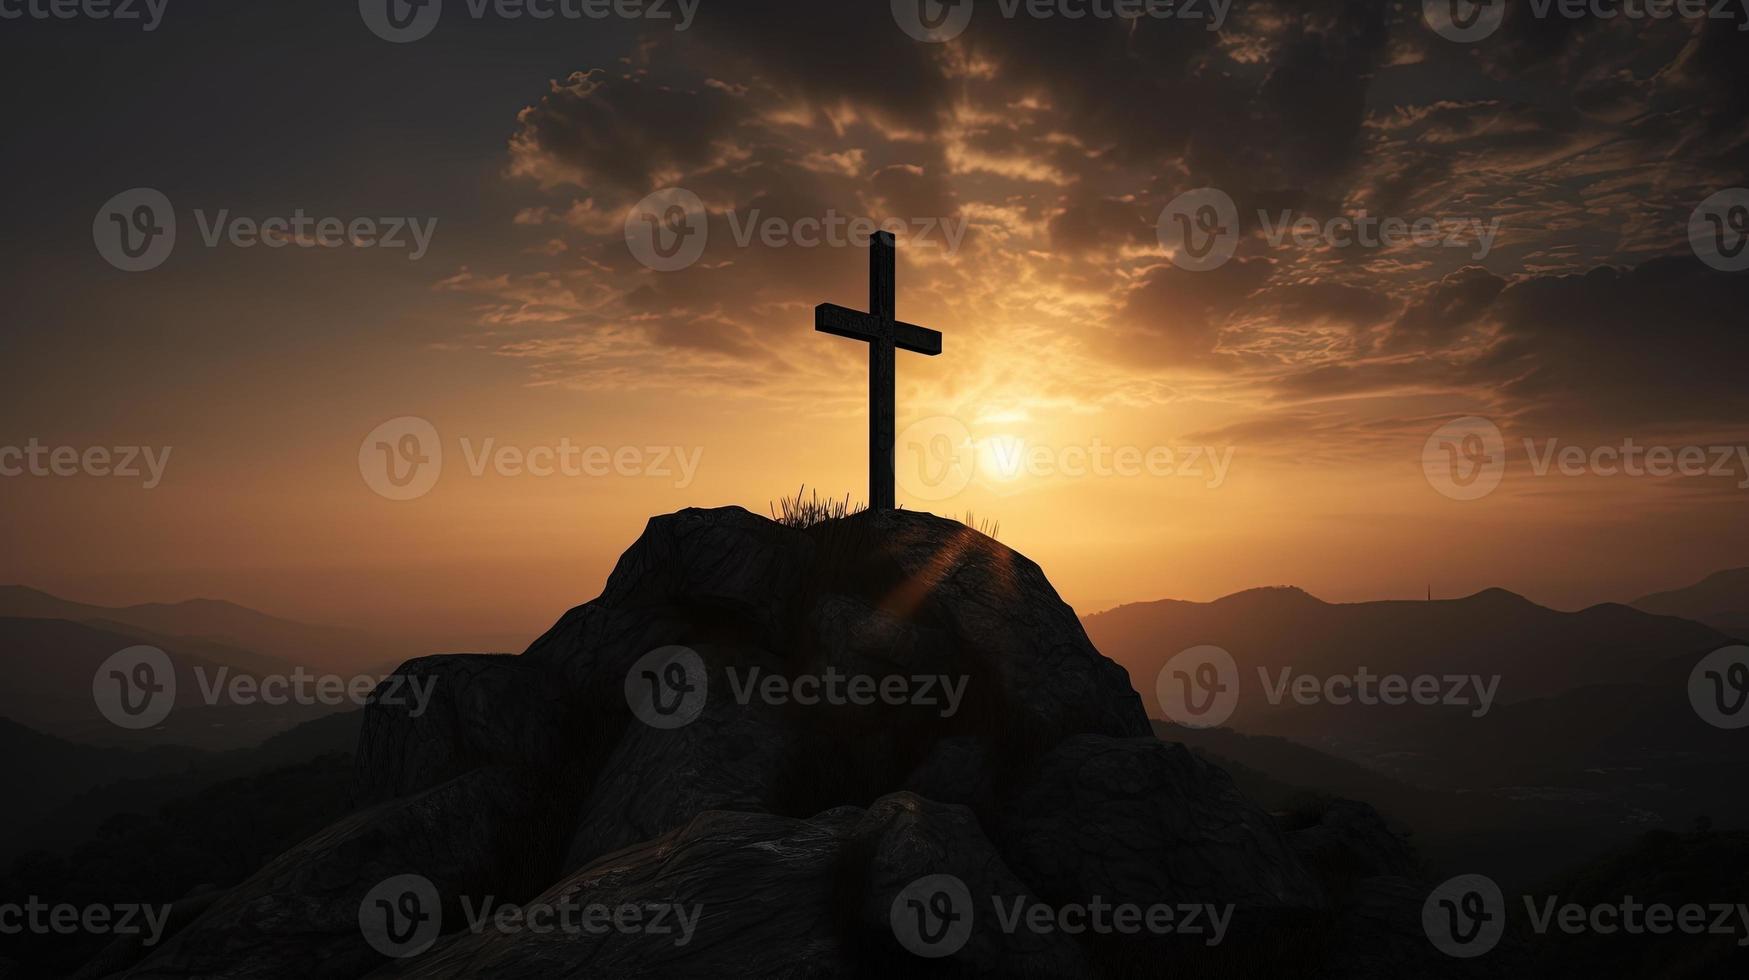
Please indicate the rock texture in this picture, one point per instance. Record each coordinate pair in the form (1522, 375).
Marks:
(488, 832)
(1141, 820)
(763, 886)
(483, 710)
(1350, 842)
(990, 745)
(730, 758)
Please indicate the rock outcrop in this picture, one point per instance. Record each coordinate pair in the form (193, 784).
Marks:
(483, 710)
(1142, 821)
(489, 832)
(881, 745)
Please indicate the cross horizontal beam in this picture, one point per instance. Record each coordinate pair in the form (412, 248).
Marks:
(841, 321)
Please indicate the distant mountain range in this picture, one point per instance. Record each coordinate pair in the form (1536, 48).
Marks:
(229, 633)
(1598, 688)
(66, 791)
(102, 827)
(50, 666)
(1536, 652)
(1720, 600)
(1591, 736)
(1514, 838)
(51, 649)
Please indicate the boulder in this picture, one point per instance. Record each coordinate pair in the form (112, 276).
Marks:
(770, 896)
(891, 595)
(1378, 935)
(730, 758)
(299, 918)
(437, 718)
(747, 895)
(1145, 821)
(958, 769)
(124, 951)
(906, 855)
(1046, 680)
(1349, 842)
(877, 592)
(722, 574)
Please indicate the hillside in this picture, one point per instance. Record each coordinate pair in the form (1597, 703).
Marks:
(64, 792)
(1513, 836)
(1721, 600)
(1536, 652)
(51, 667)
(215, 622)
(1590, 740)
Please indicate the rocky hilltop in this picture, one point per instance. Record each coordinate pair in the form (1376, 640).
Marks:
(881, 745)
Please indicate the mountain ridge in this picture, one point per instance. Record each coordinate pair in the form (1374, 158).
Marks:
(1537, 652)
(219, 622)
(1720, 600)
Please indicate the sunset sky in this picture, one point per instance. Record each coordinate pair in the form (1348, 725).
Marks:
(1316, 373)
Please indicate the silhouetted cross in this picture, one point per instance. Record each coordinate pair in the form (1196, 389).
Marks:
(885, 334)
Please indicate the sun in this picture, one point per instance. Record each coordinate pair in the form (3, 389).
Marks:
(1002, 458)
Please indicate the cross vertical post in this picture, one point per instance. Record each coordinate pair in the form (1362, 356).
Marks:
(882, 373)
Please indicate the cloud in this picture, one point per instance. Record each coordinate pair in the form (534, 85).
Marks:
(622, 132)
(1176, 315)
(1658, 345)
(1061, 141)
(1651, 349)
(1439, 314)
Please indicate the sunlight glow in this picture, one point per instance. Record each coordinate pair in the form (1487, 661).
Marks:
(1002, 458)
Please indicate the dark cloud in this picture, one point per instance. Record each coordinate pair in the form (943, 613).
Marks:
(1061, 141)
(1661, 344)
(824, 53)
(1332, 302)
(1371, 379)
(621, 131)
(1177, 316)
(1657, 347)
(1442, 312)
(1318, 87)
(910, 190)
(1087, 222)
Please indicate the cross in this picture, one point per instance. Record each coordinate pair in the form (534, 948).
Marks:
(884, 334)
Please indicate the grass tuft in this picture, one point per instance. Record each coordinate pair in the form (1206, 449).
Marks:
(988, 528)
(805, 510)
